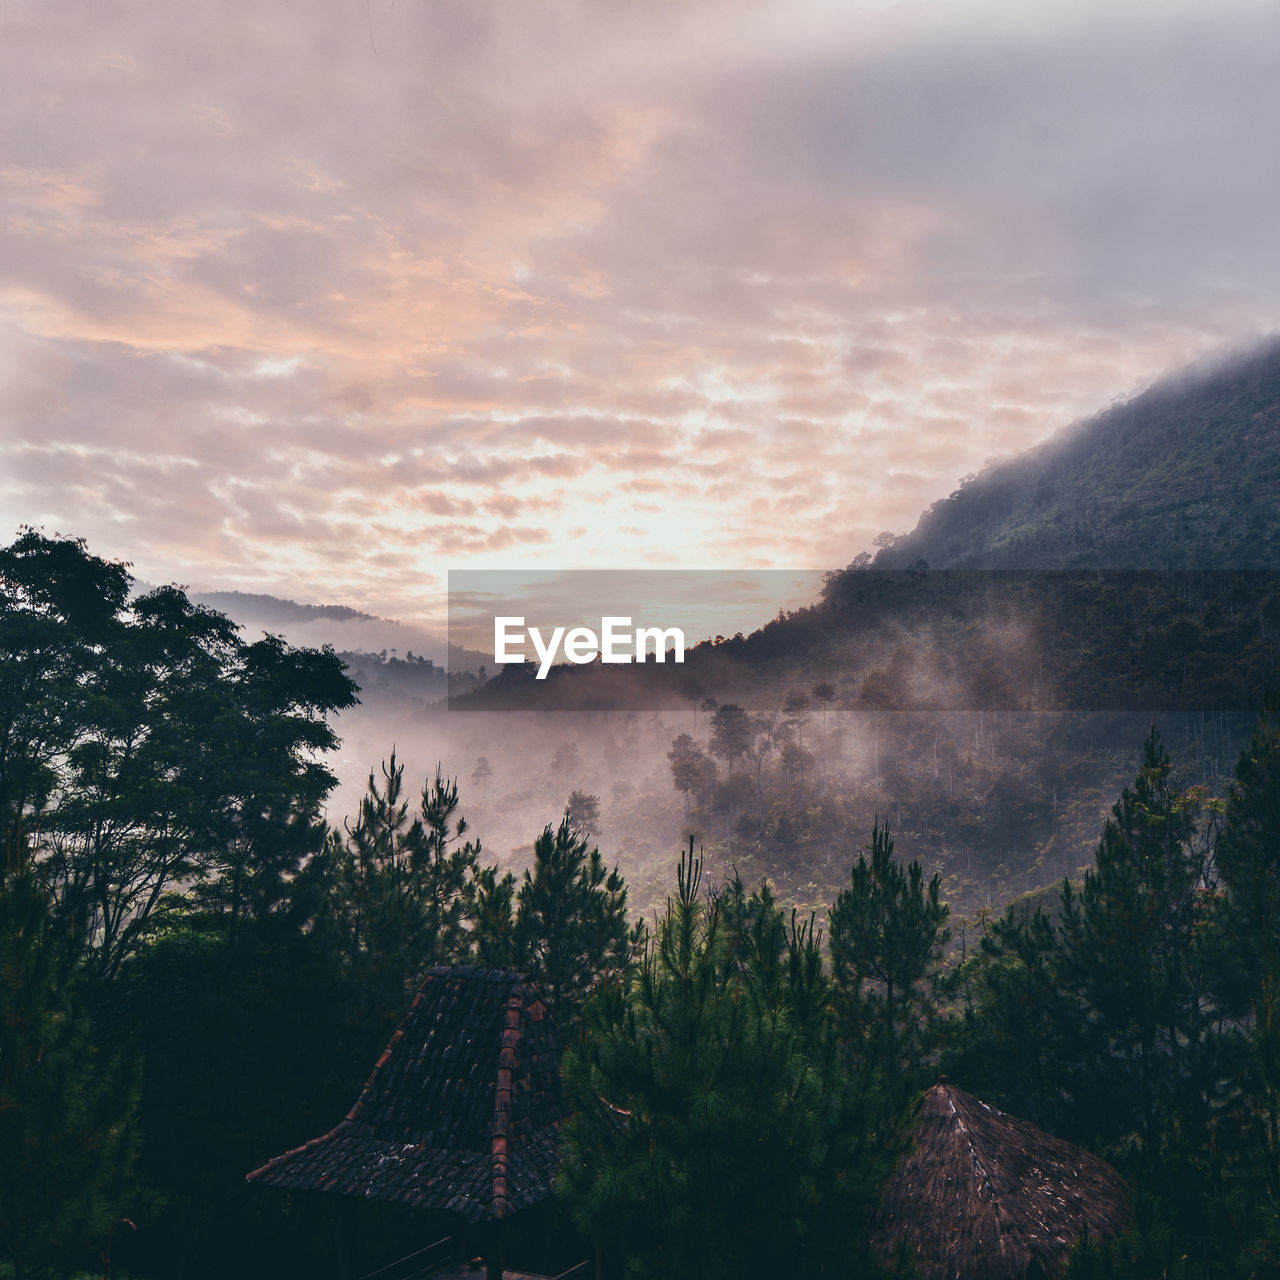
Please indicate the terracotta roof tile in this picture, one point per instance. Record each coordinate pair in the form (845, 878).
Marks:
(440, 1124)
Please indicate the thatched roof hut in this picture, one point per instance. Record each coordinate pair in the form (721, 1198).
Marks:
(461, 1113)
(984, 1196)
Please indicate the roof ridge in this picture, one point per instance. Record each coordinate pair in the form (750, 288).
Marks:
(984, 1173)
(502, 1100)
(1005, 1216)
(358, 1106)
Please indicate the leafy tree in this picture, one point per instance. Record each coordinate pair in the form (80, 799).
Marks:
(686, 759)
(143, 745)
(888, 930)
(58, 606)
(583, 812)
(692, 771)
(263, 804)
(731, 733)
(67, 1129)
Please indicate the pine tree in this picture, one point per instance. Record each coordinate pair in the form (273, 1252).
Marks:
(888, 930)
(1247, 853)
(570, 928)
(1021, 1040)
(1132, 954)
(716, 1131)
(400, 887)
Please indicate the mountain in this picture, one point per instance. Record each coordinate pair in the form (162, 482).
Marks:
(311, 624)
(350, 631)
(990, 717)
(1184, 476)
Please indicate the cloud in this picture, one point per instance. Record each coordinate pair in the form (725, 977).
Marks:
(322, 299)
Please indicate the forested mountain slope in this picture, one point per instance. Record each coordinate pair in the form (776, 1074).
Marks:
(1185, 475)
(992, 716)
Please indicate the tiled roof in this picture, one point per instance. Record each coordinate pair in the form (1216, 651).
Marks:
(461, 1113)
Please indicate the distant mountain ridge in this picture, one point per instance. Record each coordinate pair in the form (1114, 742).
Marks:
(348, 630)
(1185, 475)
(274, 608)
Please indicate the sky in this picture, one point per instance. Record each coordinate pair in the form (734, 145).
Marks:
(325, 298)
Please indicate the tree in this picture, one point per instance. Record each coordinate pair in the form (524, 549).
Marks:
(143, 745)
(683, 757)
(493, 944)
(796, 710)
(400, 888)
(763, 741)
(264, 801)
(716, 1132)
(583, 812)
(1132, 954)
(888, 930)
(795, 759)
(570, 930)
(691, 691)
(66, 1105)
(481, 774)
(730, 796)
(566, 762)
(1023, 1038)
(58, 606)
(825, 693)
(732, 733)
(1247, 855)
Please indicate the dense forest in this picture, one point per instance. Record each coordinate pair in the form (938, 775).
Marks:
(991, 716)
(983, 680)
(989, 705)
(1183, 476)
(196, 970)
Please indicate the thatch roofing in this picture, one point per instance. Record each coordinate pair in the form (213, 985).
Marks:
(984, 1196)
(461, 1112)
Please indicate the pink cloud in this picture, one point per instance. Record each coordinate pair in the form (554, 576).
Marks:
(325, 297)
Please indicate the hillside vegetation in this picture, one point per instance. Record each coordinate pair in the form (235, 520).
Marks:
(1185, 475)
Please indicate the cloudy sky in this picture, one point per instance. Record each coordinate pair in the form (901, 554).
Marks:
(325, 297)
